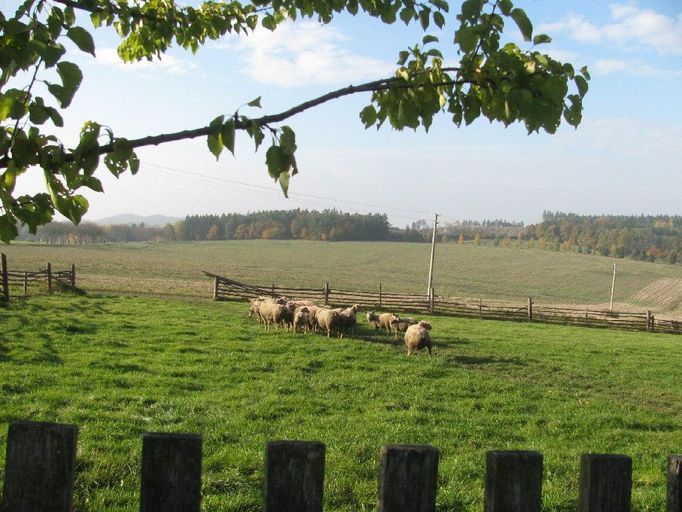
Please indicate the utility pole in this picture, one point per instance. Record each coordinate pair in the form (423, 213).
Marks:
(613, 287)
(433, 254)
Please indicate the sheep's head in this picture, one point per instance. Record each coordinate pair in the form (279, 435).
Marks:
(372, 316)
(425, 325)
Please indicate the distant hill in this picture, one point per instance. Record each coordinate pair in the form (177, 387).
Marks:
(130, 218)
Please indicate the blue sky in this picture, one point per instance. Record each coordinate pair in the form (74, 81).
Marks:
(624, 159)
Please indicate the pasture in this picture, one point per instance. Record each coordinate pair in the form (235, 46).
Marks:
(119, 366)
(174, 269)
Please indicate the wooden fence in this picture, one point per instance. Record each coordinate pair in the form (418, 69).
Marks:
(40, 470)
(530, 311)
(12, 279)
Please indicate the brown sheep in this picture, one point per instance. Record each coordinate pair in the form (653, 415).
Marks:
(401, 323)
(417, 337)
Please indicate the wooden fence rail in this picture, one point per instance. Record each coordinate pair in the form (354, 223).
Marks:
(40, 470)
(12, 279)
(229, 289)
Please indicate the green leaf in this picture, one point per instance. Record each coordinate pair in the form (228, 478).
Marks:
(72, 77)
(284, 183)
(541, 39)
(582, 85)
(8, 228)
(256, 133)
(134, 164)
(429, 39)
(506, 7)
(288, 140)
(467, 39)
(471, 9)
(227, 134)
(82, 39)
(407, 14)
(38, 113)
(215, 145)
(277, 161)
(368, 116)
(439, 19)
(73, 208)
(254, 103)
(425, 18)
(525, 26)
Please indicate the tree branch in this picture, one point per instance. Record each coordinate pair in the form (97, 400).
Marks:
(204, 131)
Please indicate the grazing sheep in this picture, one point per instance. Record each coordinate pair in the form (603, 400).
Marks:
(312, 316)
(382, 321)
(301, 319)
(272, 312)
(348, 319)
(401, 323)
(417, 337)
(327, 319)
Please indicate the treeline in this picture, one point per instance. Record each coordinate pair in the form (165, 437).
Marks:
(644, 237)
(285, 225)
(66, 233)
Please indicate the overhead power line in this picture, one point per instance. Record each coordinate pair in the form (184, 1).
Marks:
(251, 188)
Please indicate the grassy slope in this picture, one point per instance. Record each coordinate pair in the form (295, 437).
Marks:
(469, 271)
(121, 366)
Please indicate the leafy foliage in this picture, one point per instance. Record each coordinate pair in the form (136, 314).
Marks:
(503, 83)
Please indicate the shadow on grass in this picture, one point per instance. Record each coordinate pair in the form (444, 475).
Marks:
(486, 360)
(48, 354)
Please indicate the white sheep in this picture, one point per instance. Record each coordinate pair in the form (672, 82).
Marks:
(417, 337)
(382, 321)
(327, 319)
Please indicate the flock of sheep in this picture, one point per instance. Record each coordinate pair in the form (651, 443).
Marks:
(305, 316)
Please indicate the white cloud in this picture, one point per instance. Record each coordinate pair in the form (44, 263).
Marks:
(631, 27)
(305, 54)
(167, 64)
(633, 67)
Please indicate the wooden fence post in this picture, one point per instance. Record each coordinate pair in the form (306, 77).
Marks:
(513, 481)
(408, 478)
(215, 289)
(431, 295)
(294, 476)
(25, 284)
(379, 295)
(40, 467)
(530, 309)
(73, 275)
(648, 319)
(5, 279)
(480, 308)
(674, 483)
(326, 294)
(171, 473)
(605, 483)
(49, 277)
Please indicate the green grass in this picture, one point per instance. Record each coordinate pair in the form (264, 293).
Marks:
(122, 366)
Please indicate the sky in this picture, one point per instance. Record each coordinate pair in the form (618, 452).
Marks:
(623, 159)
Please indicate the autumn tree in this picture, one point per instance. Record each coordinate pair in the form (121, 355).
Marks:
(485, 77)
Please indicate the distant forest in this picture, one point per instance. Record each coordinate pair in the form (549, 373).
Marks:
(644, 237)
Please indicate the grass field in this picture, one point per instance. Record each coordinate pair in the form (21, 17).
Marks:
(121, 366)
(465, 271)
